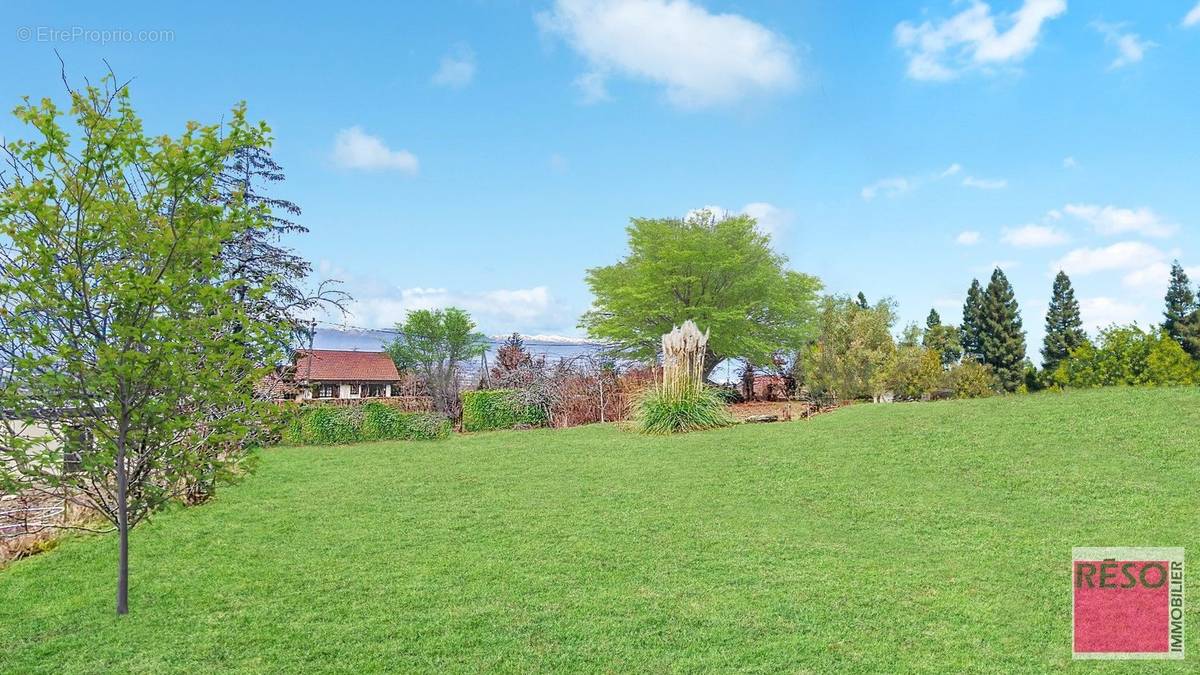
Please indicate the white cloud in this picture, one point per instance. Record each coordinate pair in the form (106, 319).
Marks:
(944, 49)
(951, 170)
(1101, 312)
(770, 220)
(1070, 163)
(354, 148)
(500, 309)
(967, 238)
(1033, 235)
(592, 88)
(1131, 48)
(702, 59)
(1154, 277)
(888, 187)
(1111, 220)
(985, 183)
(895, 186)
(457, 68)
(1193, 17)
(1125, 255)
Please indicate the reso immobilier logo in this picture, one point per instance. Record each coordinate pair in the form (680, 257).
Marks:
(1127, 603)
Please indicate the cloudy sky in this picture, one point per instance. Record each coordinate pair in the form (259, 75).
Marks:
(486, 153)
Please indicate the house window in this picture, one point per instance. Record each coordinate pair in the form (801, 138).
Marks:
(326, 390)
(376, 390)
(355, 390)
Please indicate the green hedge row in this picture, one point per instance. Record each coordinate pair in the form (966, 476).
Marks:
(330, 425)
(498, 409)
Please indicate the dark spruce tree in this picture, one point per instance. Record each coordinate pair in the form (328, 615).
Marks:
(1189, 334)
(1064, 328)
(1001, 338)
(972, 322)
(862, 301)
(1181, 302)
(933, 320)
(258, 255)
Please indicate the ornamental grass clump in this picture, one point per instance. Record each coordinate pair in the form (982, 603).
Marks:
(681, 402)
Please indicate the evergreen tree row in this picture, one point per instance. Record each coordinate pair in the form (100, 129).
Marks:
(992, 334)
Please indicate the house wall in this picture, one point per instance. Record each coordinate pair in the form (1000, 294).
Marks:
(343, 392)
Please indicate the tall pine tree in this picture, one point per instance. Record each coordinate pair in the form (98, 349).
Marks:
(1181, 302)
(1001, 338)
(972, 322)
(933, 320)
(1064, 328)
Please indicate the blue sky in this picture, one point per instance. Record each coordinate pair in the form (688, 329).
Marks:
(486, 153)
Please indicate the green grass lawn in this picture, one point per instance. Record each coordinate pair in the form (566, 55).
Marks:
(912, 537)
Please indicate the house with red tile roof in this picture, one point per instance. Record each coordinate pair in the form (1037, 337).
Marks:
(340, 374)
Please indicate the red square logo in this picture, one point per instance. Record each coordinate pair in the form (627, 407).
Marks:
(1127, 603)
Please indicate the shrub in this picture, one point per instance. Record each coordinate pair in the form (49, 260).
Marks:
(971, 379)
(489, 409)
(660, 412)
(332, 425)
(1126, 355)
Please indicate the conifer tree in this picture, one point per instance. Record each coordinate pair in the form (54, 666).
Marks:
(1064, 328)
(1189, 334)
(1001, 338)
(972, 322)
(862, 301)
(942, 338)
(1181, 302)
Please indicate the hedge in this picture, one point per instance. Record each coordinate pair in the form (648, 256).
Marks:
(489, 409)
(332, 425)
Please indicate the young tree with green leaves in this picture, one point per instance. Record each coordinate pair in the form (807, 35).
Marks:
(433, 343)
(1064, 327)
(122, 338)
(720, 273)
(853, 351)
(972, 322)
(1001, 338)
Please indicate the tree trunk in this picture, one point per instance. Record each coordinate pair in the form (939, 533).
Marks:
(122, 529)
(711, 361)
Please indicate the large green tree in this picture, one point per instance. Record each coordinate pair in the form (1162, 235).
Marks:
(122, 340)
(1064, 327)
(1001, 338)
(719, 272)
(972, 322)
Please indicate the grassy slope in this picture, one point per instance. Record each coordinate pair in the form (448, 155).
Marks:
(905, 537)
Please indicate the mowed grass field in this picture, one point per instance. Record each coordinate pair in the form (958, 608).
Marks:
(912, 537)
